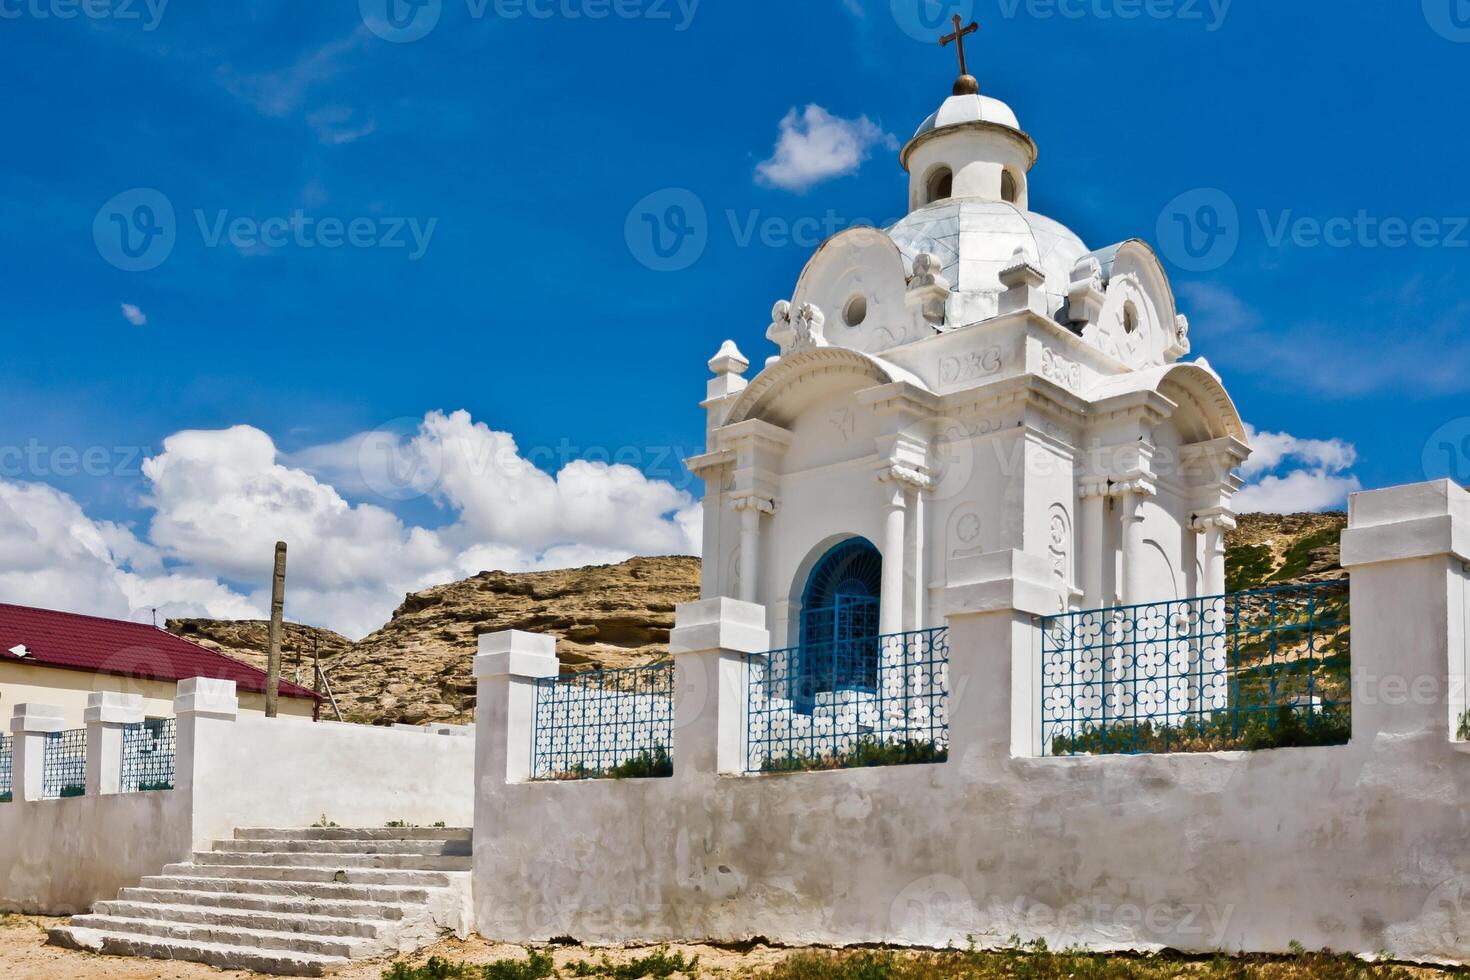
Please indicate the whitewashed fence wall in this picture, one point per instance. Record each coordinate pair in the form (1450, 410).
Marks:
(1358, 848)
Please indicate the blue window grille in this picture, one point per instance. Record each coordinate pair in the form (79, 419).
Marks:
(148, 753)
(7, 766)
(1250, 670)
(64, 766)
(803, 711)
(605, 724)
(839, 622)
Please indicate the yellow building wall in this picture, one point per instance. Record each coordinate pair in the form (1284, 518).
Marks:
(68, 689)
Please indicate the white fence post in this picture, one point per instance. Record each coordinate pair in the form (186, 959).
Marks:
(506, 671)
(1406, 549)
(203, 707)
(30, 725)
(107, 714)
(709, 643)
(993, 605)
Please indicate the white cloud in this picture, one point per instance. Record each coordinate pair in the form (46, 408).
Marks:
(1301, 491)
(221, 499)
(815, 146)
(134, 315)
(1287, 474)
(1270, 449)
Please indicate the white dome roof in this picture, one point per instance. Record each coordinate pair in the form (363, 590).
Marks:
(960, 109)
(976, 239)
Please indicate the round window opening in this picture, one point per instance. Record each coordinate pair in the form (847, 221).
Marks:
(856, 311)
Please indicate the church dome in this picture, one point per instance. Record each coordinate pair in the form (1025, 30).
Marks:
(958, 110)
(976, 239)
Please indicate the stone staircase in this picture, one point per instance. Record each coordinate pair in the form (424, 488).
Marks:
(302, 902)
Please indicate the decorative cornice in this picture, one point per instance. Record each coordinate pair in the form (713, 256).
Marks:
(910, 477)
(743, 502)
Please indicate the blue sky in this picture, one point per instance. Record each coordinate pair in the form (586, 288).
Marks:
(491, 170)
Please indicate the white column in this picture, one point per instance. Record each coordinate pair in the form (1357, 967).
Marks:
(107, 714)
(709, 644)
(890, 607)
(506, 671)
(30, 725)
(750, 544)
(1095, 557)
(914, 581)
(1214, 563)
(1135, 588)
(751, 508)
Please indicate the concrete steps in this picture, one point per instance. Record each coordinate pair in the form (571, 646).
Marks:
(291, 901)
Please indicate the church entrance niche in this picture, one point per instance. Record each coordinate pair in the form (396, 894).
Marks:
(839, 623)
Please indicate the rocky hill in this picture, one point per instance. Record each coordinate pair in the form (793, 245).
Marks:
(245, 639)
(1277, 549)
(418, 666)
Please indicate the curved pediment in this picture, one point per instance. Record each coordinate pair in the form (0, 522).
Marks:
(858, 280)
(1204, 409)
(780, 392)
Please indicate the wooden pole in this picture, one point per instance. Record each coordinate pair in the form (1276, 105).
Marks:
(273, 649)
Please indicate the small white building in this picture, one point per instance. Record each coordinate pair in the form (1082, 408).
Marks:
(971, 385)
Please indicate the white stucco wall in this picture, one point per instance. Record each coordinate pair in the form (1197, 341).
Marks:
(290, 773)
(57, 857)
(1359, 848)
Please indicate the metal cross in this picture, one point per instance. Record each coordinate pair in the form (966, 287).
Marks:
(959, 38)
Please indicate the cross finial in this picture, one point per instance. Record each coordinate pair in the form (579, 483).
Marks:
(966, 84)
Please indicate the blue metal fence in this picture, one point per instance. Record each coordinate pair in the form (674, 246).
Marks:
(1249, 670)
(605, 724)
(148, 756)
(866, 701)
(64, 767)
(7, 766)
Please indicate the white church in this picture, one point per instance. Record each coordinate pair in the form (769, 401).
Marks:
(970, 383)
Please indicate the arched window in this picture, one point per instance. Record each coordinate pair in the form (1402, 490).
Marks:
(839, 623)
(940, 186)
(1008, 187)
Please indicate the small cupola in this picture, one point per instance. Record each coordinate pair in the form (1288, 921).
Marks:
(971, 147)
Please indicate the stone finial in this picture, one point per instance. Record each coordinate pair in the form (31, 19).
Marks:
(781, 332)
(928, 271)
(1085, 293)
(1181, 344)
(928, 289)
(809, 322)
(729, 360)
(1023, 281)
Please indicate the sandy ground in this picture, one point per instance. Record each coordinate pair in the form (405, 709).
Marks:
(24, 955)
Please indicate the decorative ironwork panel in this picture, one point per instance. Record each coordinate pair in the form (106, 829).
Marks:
(64, 769)
(148, 751)
(855, 702)
(605, 724)
(1249, 670)
(7, 766)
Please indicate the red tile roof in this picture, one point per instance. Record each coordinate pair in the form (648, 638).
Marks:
(110, 646)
